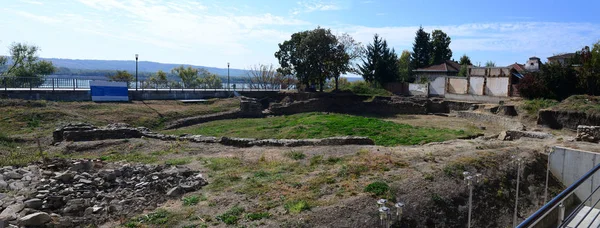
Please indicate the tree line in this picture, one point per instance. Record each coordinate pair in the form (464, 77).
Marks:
(579, 75)
(190, 77)
(24, 65)
(315, 56)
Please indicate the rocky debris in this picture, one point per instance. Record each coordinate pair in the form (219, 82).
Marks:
(588, 133)
(71, 193)
(506, 122)
(35, 219)
(101, 133)
(514, 135)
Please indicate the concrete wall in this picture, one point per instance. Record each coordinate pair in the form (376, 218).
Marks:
(419, 90)
(497, 87)
(568, 165)
(457, 85)
(84, 95)
(476, 85)
(437, 86)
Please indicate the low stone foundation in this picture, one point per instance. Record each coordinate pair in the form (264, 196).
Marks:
(87, 132)
(588, 133)
(514, 135)
(499, 120)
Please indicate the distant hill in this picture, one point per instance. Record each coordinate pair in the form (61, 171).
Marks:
(129, 65)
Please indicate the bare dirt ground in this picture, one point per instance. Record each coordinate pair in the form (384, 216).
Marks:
(323, 186)
(423, 177)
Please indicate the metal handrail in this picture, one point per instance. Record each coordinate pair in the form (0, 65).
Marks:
(50, 82)
(547, 208)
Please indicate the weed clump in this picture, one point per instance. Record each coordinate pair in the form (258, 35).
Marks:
(378, 188)
(296, 155)
(190, 200)
(295, 207)
(231, 216)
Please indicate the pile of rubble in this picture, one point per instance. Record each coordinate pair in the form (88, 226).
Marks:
(70, 193)
(588, 133)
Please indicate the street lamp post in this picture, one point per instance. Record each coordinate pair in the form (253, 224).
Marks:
(228, 76)
(136, 72)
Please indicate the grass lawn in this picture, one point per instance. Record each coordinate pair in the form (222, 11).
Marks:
(317, 125)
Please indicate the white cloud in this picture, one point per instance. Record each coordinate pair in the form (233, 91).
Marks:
(523, 37)
(39, 18)
(189, 31)
(307, 6)
(33, 2)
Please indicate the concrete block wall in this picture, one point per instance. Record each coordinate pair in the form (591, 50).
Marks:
(458, 85)
(569, 165)
(418, 90)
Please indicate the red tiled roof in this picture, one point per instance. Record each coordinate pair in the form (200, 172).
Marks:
(518, 67)
(448, 66)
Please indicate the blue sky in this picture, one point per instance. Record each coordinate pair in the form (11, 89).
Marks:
(245, 33)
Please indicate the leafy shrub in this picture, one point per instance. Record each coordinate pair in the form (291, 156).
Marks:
(532, 87)
(378, 188)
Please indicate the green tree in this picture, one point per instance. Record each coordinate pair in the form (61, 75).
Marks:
(404, 68)
(188, 75)
(24, 63)
(464, 69)
(121, 76)
(209, 80)
(421, 53)
(159, 79)
(380, 64)
(313, 57)
(490, 64)
(440, 47)
(590, 70)
(465, 60)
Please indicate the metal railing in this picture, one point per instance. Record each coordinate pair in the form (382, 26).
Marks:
(54, 83)
(558, 202)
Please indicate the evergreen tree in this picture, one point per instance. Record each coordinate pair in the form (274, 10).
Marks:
(380, 64)
(465, 60)
(440, 47)
(421, 50)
